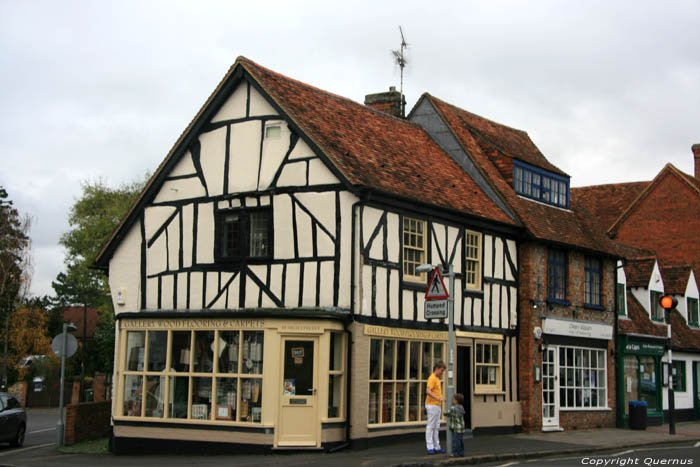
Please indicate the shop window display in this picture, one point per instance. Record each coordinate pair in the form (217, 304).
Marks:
(212, 375)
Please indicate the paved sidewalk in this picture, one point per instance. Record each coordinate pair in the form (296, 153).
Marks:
(480, 449)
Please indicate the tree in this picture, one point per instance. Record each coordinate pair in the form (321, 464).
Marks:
(92, 219)
(15, 264)
(28, 336)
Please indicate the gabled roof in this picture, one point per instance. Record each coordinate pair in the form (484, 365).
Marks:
(638, 271)
(669, 169)
(639, 321)
(675, 279)
(363, 147)
(607, 202)
(682, 336)
(566, 227)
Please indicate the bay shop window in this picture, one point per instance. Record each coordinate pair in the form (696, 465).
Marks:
(398, 370)
(193, 375)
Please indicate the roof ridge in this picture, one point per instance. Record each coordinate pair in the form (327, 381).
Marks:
(477, 115)
(609, 184)
(310, 87)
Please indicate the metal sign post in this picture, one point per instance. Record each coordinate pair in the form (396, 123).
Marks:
(66, 348)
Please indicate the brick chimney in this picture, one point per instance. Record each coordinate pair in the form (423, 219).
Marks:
(391, 102)
(696, 154)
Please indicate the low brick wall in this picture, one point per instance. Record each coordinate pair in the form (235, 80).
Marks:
(19, 390)
(87, 420)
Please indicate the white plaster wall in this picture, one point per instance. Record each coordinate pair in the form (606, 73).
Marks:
(259, 105)
(235, 105)
(327, 275)
(301, 151)
(184, 166)
(304, 230)
(513, 251)
(293, 175)
(212, 158)
(283, 227)
(487, 255)
(394, 296)
(167, 283)
(155, 217)
(370, 219)
(205, 233)
(273, 152)
(251, 288)
(499, 259)
(393, 226)
(346, 201)
(180, 189)
(452, 234)
(366, 299)
(187, 235)
(682, 400)
(182, 286)
(381, 297)
(319, 174)
(310, 272)
(156, 257)
(125, 271)
(244, 156)
(291, 292)
(174, 244)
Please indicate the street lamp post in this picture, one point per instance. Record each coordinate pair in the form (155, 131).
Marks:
(450, 341)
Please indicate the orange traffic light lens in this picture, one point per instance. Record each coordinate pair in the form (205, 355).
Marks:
(667, 302)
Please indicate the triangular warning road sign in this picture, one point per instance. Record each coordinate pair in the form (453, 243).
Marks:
(436, 287)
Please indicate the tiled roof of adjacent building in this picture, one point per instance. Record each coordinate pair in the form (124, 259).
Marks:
(639, 321)
(638, 271)
(571, 227)
(675, 279)
(607, 202)
(683, 337)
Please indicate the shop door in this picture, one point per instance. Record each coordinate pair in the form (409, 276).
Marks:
(298, 416)
(463, 381)
(696, 389)
(550, 389)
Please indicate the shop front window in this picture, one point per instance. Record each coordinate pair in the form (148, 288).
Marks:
(212, 375)
(398, 371)
(582, 378)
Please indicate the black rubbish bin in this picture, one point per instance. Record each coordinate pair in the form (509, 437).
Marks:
(638, 415)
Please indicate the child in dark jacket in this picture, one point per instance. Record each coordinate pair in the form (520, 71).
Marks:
(455, 420)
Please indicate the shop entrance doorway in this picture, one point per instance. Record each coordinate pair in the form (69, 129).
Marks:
(550, 389)
(298, 423)
(464, 381)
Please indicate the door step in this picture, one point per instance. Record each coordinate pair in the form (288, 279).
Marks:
(296, 448)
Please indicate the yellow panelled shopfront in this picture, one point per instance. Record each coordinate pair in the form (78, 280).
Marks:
(243, 380)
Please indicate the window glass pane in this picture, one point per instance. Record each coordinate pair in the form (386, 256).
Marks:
(259, 233)
(437, 353)
(133, 390)
(157, 349)
(180, 358)
(427, 361)
(201, 398)
(415, 360)
(387, 402)
(252, 359)
(251, 400)
(228, 351)
(155, 396)
(203, 351)
(226, 398)
(414, 406)
(178, 397)
(535, 185)
(374, 356)
(336, 356)
(231, 235)
(135, 350)
(374, 401)
(273, 131)
(389, 359)
(334, 394)
(400, 415)
(401, 359)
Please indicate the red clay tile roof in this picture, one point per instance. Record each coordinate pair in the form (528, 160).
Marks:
(675, 279)
(375, 150)
(639, 321)
(569, 227)
(682, 336)
(638, 271)
(607, 202)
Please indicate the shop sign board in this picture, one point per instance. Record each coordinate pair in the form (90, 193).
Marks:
(563, 327)
(435, 309)
(645, 348)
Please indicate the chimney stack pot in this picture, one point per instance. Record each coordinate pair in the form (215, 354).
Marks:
(696, 155)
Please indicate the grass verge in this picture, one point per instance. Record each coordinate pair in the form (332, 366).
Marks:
(95, 446)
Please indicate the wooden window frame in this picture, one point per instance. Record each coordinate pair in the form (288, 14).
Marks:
(473, 254)
(488, 388)
(337, 372)
(692, 307)
(407, 381)
(170, 373)
(244, 235)
(422, 251)
(593, 269)
(655, 310)
(578, 368)
(557, 265)
(273, 124)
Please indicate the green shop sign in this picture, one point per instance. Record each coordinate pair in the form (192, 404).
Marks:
(645, 348)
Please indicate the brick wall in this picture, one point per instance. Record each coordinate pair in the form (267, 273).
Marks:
(87, 420)
(533, 270)
(19, 390)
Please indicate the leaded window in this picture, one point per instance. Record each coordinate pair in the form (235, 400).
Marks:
(414, 243)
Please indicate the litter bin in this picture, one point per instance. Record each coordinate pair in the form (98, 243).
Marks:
(638, 415)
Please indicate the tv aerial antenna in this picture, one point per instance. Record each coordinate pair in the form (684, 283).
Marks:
(399, 57)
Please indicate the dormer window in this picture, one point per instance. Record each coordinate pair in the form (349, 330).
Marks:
(533, 182)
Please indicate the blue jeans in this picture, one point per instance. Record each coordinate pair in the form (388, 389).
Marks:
(457, 444)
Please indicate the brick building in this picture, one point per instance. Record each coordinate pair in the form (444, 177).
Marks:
(566, 290)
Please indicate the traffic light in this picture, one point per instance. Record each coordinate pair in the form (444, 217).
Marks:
(668, 302)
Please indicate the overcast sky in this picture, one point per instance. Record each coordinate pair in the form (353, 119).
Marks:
(609, 91)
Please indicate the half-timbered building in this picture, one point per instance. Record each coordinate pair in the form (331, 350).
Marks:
(266, 287)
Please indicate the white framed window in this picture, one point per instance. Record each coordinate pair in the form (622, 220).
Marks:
(414, 243)
(583, 380)
(193, 375)
(487, 366)
(398, 371)
(273, 130)
(472, 251)
(336, 375)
